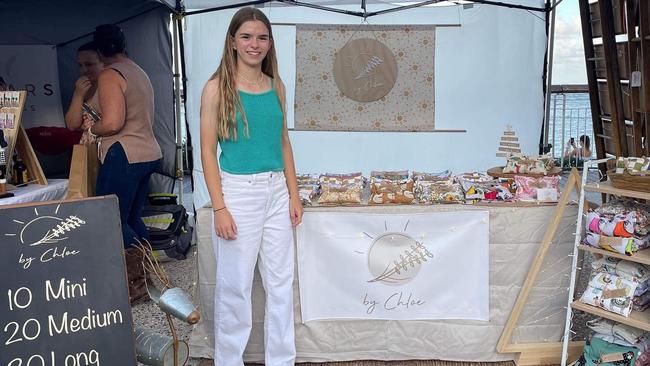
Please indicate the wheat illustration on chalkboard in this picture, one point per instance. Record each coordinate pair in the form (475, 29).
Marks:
(46, 229)
(395, 258)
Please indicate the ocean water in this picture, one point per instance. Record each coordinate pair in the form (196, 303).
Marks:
(570, 117)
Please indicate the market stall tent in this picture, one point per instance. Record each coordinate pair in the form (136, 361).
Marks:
(489, 73)
(66, 25)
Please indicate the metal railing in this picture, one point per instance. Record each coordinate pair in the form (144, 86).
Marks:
(570, 119)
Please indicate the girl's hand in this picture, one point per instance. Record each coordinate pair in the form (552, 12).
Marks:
(225, 225)
(295, 211)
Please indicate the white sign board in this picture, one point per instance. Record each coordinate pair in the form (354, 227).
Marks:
(34, 68)
(397, 266)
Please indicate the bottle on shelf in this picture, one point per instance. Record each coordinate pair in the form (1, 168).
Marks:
(20, 171)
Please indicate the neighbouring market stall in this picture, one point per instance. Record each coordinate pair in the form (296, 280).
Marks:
(38, 55)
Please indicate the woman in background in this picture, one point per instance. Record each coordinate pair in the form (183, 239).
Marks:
(253, 190)
(128, 149)
(90, 65)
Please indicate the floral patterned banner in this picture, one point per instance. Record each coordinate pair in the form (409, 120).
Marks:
(320, 105)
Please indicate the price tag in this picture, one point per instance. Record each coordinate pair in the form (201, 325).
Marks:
(546, 194)
(612, 357)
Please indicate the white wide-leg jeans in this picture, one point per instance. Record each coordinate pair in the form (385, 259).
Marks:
(259, 205)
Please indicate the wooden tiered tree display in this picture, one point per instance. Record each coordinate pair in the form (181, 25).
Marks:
(509, 143)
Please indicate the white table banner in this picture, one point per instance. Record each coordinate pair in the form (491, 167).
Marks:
(397, 266)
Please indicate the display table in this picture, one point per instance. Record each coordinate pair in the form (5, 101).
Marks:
(55, 190)
(515, 235)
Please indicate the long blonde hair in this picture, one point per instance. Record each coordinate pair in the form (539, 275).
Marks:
(228, 102)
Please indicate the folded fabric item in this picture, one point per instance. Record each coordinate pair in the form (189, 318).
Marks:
(632, 164)
(629, 270)
(610, 292)
(341, 188)
(642, 345)
(621, 225)
(604, 326)
(522, 164)
(347, 196)
(622, 206)
(338, 181)
(383, 191)
(614, 244)
(476, 185)
(596, 347)
(308, 187)
(417, 176)
(545, 189)
(642, 302)
(390, 175)
(642, 288)
(438, 191)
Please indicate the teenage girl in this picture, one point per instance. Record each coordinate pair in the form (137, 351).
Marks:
(253, 190)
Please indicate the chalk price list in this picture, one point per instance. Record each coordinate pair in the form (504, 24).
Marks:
(32, 330)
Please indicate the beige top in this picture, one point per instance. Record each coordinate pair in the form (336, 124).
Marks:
(136, 136)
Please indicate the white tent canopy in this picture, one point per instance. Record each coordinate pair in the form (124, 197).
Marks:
(489, 65)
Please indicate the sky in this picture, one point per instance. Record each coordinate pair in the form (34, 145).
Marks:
(569, 59)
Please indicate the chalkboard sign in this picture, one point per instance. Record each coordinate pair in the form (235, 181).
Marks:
(63, 293)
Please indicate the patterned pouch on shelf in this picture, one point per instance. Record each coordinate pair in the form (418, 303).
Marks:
(610, 292)
(621, 225)
(613, 244)
(622, 206)
(604, 326)
(629, 270)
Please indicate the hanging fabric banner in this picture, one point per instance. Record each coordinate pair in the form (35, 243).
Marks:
(397, 266)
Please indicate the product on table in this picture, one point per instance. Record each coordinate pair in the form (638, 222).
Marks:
(545, 189)
(341, 188)
(523, 164)
(391, 187)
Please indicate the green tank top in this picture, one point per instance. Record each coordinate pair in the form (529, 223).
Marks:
(261, 151)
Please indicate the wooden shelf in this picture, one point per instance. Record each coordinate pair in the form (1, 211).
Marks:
(606, 187)
(642, 256)
(637, 319)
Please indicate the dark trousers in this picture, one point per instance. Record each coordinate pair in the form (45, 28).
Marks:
(130, 183)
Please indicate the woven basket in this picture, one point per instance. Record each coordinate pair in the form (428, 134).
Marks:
(633, 182)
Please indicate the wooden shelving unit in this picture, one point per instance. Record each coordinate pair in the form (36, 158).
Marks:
(642, 256)
(637, 319)
(607, 188)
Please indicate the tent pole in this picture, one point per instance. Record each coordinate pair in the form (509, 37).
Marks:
(177, 109)
(549, 78)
